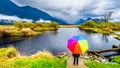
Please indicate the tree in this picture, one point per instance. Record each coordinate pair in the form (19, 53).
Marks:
(107, 16)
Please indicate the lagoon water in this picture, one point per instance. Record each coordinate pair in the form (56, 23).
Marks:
(56, 41)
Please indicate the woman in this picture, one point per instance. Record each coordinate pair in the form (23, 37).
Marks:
(76, 59)
(77, 45)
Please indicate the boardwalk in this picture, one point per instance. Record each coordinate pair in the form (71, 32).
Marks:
(80, 65)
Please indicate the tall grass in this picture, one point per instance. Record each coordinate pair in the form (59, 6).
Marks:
(116, 36)
(42, 59)
(32, 25)
(21, 29)
(97, 64)
(116, 59)
(100, 27)
(8, 52)
(39, 63)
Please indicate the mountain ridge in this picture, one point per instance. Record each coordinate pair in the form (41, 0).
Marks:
(9, 8)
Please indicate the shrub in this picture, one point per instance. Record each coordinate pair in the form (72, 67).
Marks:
(28, 32)
(45, 25)
(28, 25)
(18, 24)
(38, 24)
(8, 52)
(54, 25)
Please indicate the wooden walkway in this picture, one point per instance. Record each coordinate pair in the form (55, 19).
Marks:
(80, 65)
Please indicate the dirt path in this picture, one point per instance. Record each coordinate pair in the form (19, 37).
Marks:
(69, 26)
(80, 65)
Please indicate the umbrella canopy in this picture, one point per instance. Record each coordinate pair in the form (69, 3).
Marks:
(77, 45)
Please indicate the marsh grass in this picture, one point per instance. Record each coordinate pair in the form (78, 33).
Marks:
(97, 64)
(23, 29)
(100, 27)
(116, 36)
(42, 59)
(8, 52)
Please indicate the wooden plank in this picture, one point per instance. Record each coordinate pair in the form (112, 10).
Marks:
(106, 50)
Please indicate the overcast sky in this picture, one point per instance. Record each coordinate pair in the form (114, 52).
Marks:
(72, 10)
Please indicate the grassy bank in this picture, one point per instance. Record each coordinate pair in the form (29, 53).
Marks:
(26, 28)
(97, 64)
(116, 36)
(116, 59)
(10, 59)
(100, 27)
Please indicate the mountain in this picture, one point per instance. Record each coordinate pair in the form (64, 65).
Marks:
(9, 8)
(81, 21)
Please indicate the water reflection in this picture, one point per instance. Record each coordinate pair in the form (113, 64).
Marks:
(9, 40)
(105, 37)
(54, 32)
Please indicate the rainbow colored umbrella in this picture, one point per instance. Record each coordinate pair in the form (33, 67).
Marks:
(77, 45)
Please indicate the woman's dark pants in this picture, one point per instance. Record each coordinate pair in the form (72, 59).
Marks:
(76, 59)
